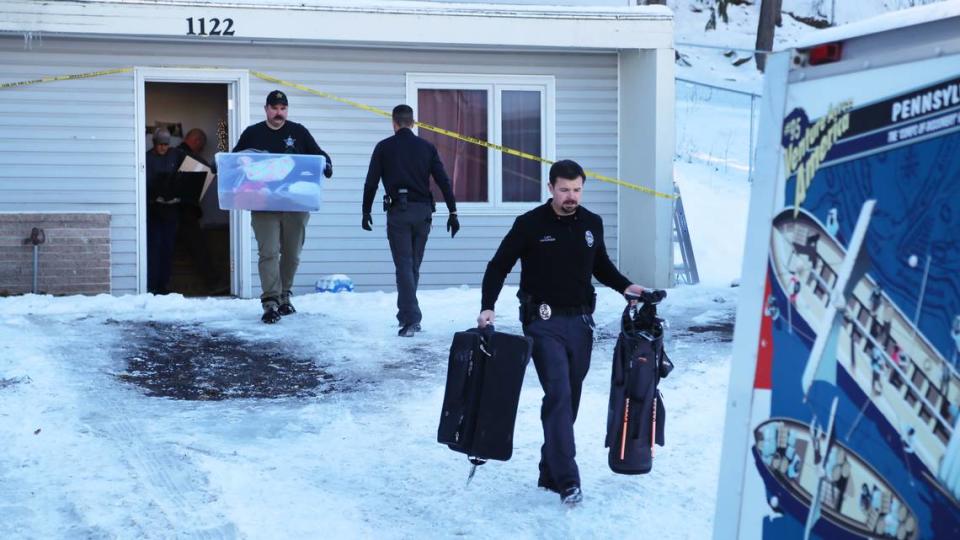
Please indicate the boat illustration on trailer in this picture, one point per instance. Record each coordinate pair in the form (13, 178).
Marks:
(800, 467)
(859, 328)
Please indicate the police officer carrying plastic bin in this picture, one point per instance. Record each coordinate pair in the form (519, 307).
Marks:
(405, 163)
(280, 235)
(560, 246)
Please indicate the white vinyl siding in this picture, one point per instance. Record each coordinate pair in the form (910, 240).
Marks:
(70, 145)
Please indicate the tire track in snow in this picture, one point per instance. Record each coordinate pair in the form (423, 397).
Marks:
(165, 483)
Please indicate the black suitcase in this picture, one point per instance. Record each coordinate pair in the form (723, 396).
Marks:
(484, 377)
(636, 416)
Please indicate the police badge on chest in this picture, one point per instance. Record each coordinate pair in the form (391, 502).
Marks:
(545, 311)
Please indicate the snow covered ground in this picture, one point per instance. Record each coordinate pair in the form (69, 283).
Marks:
(325, 424)
(90, 453)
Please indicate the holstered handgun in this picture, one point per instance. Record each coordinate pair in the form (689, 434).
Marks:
(400, 201)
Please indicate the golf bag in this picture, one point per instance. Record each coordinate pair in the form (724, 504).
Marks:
(636, 415)
(484, 377)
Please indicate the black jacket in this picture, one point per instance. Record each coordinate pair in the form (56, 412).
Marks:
(185, 149)
(291, 138)
(160, 173)
(558, 255)
(406, 161)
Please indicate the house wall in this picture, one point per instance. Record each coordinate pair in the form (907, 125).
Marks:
(72, 258)
(82, 132)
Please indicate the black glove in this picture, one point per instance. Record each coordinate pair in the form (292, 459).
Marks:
(653, 296)
(367, 222)
(328, 170)
(453, 225)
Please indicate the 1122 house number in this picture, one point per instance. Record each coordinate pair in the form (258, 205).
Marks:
(217, 27)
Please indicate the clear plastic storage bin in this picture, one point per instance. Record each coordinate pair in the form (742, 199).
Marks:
(261, 181)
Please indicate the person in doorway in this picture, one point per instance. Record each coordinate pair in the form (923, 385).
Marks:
(279, 235)
(560, 246)
(190, 213)
(162, 211)
(405, 163)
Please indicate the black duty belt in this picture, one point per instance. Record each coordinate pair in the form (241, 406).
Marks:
(532, 309)
(402, 198)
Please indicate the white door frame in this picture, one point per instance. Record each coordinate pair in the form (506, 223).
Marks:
(238, 112)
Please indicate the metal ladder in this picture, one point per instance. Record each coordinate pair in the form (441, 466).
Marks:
(684, 271)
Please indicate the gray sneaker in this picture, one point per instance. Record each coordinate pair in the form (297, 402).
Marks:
(571, 496)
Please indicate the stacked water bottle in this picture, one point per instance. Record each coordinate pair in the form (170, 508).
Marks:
(335, 283)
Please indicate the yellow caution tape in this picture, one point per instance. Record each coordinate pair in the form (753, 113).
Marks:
(374, 110)
(65, 77)
(458, 136)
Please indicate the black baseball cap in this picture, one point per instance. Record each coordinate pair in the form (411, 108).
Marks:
(277, 98)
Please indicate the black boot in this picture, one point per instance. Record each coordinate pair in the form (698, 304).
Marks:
(270, 314)
(286, 308)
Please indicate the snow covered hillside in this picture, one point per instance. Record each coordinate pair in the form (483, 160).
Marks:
(734, 39)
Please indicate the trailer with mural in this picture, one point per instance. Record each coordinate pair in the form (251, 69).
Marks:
(842, 417)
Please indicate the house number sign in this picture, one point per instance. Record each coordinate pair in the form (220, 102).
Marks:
(213, 26)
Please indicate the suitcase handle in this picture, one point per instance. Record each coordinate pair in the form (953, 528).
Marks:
(487, 332)
(634, 315)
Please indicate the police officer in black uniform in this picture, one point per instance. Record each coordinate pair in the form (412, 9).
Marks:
(560, 246)
(405, 163)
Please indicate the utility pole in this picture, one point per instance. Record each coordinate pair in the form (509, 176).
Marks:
(769, 20)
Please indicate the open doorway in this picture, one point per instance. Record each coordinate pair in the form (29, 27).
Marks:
(196, 117)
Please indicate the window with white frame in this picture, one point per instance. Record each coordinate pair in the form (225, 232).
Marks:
(512, 111)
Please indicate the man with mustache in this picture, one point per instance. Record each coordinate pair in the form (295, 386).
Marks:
(560, 247)
(280, 235)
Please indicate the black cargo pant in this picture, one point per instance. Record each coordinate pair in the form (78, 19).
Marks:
(161, 241)
(407, 231)
(196, 244)
(561, 353)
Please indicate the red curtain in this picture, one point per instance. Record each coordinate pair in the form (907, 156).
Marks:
(463, 111)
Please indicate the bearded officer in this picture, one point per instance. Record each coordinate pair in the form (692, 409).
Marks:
(560, 247)
(280, 235)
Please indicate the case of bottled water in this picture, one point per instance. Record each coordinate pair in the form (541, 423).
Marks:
(335, 283)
